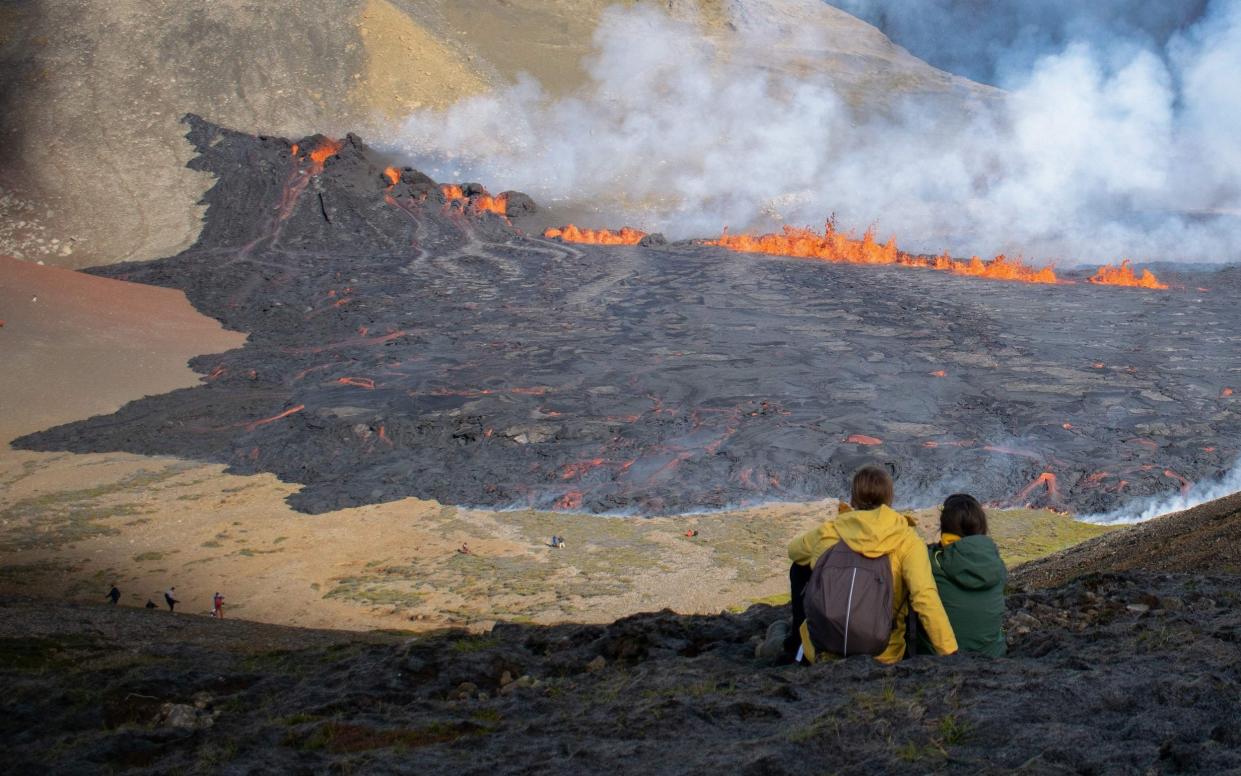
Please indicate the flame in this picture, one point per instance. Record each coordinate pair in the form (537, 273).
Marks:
(481, 202)
(836, 246)
(393, 175)
(1124, 275)
(570, 233)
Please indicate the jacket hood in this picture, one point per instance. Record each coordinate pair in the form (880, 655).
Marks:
(873, 532)
(972, 563)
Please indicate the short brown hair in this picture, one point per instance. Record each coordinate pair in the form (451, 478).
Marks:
(872, 488)
(962, 515)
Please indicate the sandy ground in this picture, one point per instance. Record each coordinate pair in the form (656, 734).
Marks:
(71, 525)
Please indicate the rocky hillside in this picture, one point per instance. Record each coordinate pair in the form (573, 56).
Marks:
(1207, 537)
(92, 168)
(1112, 672)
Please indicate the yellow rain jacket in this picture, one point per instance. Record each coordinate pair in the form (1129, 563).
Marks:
(877, 532)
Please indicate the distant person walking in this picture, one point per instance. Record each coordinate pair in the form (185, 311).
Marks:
(170, 597)
(114, 594)
(217, 605)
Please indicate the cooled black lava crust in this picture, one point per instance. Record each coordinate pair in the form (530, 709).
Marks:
(405, 346)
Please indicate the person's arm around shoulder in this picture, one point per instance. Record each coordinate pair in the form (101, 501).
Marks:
(924, 595)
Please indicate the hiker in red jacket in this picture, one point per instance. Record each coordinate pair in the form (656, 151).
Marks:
(217, 605)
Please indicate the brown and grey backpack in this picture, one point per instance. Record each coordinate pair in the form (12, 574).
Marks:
(848, 602)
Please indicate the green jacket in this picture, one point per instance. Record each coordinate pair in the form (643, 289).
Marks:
(970, 577)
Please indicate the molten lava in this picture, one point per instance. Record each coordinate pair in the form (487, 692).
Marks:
(264, 421)
(570, 233)
(393, 175)
(483, 202)
(319, 155)
(1124, 275)
(1046, 478)
(836, 246)
(863, 439)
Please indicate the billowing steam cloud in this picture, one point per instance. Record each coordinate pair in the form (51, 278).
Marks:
(1098, 152)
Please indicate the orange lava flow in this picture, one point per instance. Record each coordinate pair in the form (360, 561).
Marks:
(1111, 275)
(393, 175)
(836, 246)
(1046, 478)
(570, 500)
(570, 233)
(274, 418)
(357, 382)
(862, 439)
(320, 153)
(1185, 484)
(481, 202)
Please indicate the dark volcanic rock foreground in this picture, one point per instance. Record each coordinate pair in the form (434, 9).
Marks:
(1130, 673)
(406, 344)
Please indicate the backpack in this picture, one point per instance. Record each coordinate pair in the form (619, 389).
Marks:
(848, 602)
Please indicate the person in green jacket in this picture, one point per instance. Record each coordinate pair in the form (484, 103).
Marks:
(970, 576)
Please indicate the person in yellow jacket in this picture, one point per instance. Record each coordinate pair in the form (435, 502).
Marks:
(870, 527)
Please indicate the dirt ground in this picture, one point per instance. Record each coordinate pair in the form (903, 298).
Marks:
(71, 525)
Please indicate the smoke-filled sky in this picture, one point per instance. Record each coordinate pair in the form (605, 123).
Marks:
(1117, 138)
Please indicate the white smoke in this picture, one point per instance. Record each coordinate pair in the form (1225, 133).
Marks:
(1100, 151)
(1145, 509)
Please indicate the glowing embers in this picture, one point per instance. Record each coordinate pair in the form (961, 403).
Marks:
(477, 198)
(571, 233)
(1111, 275)
(836, 246)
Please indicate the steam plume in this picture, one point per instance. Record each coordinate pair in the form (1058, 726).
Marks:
(1097, 153)
(1145, 509)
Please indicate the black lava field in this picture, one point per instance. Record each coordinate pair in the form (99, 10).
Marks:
(403, 344)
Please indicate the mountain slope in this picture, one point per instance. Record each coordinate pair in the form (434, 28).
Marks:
(93, 166)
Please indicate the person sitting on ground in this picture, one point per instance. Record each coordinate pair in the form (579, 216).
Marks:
(114, 594)
(868, 530)
(970, 577)
(464, 549)
(170, 598)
